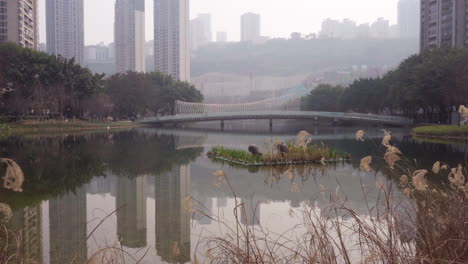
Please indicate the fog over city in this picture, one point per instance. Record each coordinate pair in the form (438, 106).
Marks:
(233, 131)
(279, 18)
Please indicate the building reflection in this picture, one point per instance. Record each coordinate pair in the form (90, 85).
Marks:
(28, 223)
(68, 222)
(172, 217)
(131, 217)
(250, 214)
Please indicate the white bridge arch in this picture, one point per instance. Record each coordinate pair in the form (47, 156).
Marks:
(286, 107)
(284, 103)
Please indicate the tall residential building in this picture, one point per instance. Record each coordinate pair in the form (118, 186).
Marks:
(200, 31)
(250, 27)
(409, 19)
(19, 22)
(171, 38)
(444, 23)
(129, 34)
(195, 34)
(221, 36)
(65, 28)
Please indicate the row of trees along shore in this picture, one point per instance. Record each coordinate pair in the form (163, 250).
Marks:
(426, 87)
(39, 85)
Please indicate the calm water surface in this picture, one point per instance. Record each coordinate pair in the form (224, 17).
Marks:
(133, 185)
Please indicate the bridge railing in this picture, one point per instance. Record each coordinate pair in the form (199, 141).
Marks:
(265, 114)
(284, 103)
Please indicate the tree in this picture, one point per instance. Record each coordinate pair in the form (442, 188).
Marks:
(38, 83)
(323, 98)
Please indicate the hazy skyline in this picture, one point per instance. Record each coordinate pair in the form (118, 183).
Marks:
(279, 18)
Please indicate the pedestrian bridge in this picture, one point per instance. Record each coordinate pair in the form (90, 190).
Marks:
(278, 108)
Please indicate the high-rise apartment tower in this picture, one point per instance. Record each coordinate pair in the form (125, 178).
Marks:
(444, 23)
(65, 28)
(129, 31)
(171, 38)
(409, 19)
(250, 27)
(19, 22)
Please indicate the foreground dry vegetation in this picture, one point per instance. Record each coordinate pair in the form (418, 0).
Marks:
(428, 224)
(412, 221)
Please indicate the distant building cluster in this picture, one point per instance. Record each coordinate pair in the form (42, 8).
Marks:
(348, 29)
(201, 31)
(433, 23)
(408, 26)
(98, 53)
(129, 51)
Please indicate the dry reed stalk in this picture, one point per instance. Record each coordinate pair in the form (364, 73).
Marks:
(463, 111)
(427, 225)
(14, 177)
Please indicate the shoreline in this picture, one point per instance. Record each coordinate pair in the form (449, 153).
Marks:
(441, 132)
(462, 137)
(59, 126)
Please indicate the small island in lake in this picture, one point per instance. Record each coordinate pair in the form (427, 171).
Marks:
(278, 153)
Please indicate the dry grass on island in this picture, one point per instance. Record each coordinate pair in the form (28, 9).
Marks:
(299, 151)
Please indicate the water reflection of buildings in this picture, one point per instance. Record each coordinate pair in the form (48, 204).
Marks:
(172, 217)
(250, 214)
(68, 222)
(131, 217)
(29, 221)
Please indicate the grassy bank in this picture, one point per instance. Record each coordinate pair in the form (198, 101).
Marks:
(452, 131)
(311, 153)
(59, 126)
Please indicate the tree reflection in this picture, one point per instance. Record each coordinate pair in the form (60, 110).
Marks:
(54, 166)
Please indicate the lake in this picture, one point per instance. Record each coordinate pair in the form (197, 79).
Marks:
(130, 189)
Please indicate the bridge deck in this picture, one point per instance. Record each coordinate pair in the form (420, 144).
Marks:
(189, 118)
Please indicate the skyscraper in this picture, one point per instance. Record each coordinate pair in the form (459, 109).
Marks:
(65, 28)
(129, 34)
(200, 31)
(19, 22)
(408, 19)
(250, 27)
(171, 38)
(444, 23)
(205, 19)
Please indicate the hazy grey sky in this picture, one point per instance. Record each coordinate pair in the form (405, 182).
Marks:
(279, 17)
